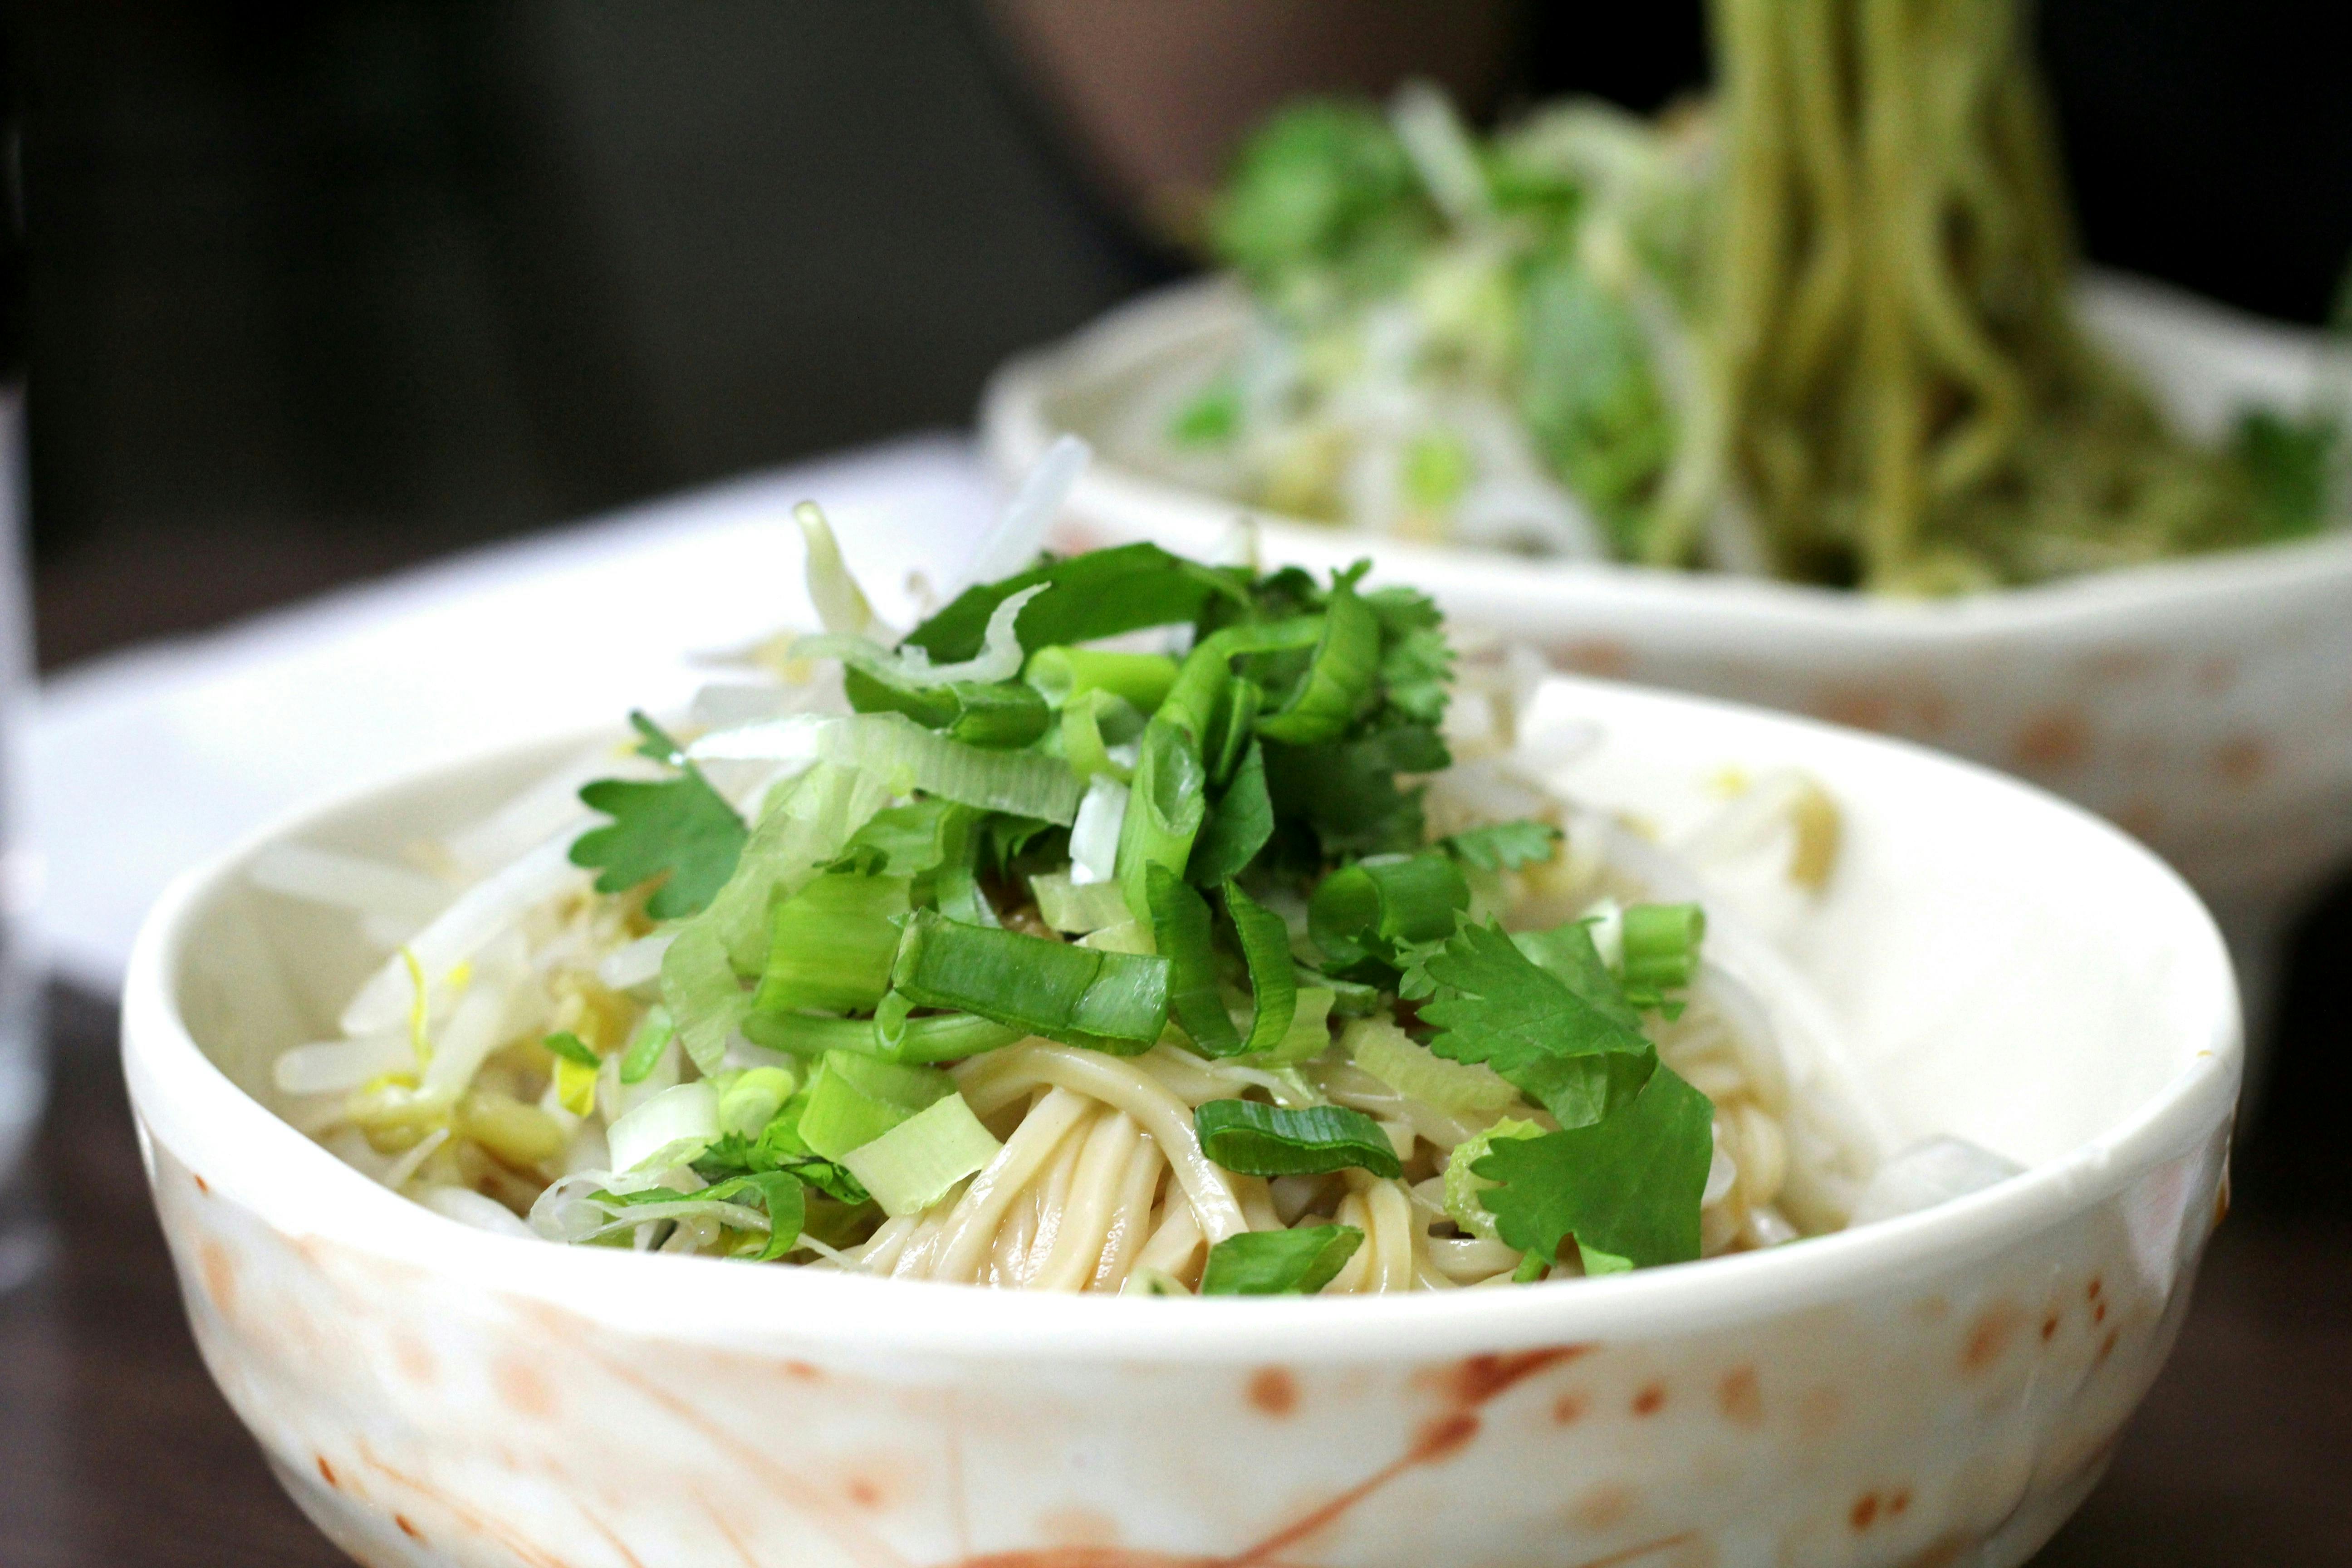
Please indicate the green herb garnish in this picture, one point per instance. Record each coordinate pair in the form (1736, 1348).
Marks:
(1292, 1141)
(679, 830)
(1279, 1262)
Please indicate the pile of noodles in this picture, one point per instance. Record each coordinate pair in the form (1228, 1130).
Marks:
(1101, 1183)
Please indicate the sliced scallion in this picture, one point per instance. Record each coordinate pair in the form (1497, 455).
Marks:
(854, 1100)
(1164, 812)
(1077, 908)
(1259, 1139)
(1061, 675)
(1340, 681)
(914, 1164)
(1273, 974)
(831, 944)
(1279, 1262)
(1237, 826)
(1377, 906)
(1182, 927)
(1106, 1001)
(938, 1038)
(1661, 943)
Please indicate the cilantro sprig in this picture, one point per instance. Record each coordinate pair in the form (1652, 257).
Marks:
(677, 830)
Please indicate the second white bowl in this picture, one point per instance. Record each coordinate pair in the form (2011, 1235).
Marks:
(2204, 704)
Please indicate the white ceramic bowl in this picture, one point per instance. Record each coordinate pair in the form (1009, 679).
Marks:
(2204, 704)
(1939, 1389)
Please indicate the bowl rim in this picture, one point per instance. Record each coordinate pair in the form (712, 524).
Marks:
(1014, 428)
(245, 1153)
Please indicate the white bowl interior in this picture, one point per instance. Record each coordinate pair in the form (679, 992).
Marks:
(1996, 964)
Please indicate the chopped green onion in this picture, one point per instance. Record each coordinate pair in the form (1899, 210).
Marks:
(1462, 1183)
(1083, 743)
(915, 1163)
(1310, 1034)
(1389, 1055)
(1273, 973)
(854, 1100)
(1181, 927)
(1237, 826)
(568, 1047)
(901, 840)
(1504, 846)
(747, 1105)
(939, 1038)
(644, 1052)
(955, 884)
(672, 1128)
(831, 944)
(1340, 681)
(1127, 936)
(700, 987)
(974, 712)
(1077, 908)
(1164, 812)
(1230, 735)
(1279, 1262)
(901, 755)
(1106, 1001)
(1061, 675)
(1191, 703)
(1377, 907)
(1286, 1140)
(1661, 943)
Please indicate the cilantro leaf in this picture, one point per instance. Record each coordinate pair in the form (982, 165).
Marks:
(778, 1148)
(1626, 1187)
(680, 830)
(1347, 791)
(1279, 1262)
(1416, 661)
(2285, 462)
(1500, 1008)
(1567, 954)
(1504, 846)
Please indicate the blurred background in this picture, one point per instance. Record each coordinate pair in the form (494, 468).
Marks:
(310, 293)
(342, 284)
(314, 292)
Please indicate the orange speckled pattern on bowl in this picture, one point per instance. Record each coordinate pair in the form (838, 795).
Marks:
(1940, 1389)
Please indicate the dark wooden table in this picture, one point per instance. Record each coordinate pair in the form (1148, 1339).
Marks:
(116, 1452)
